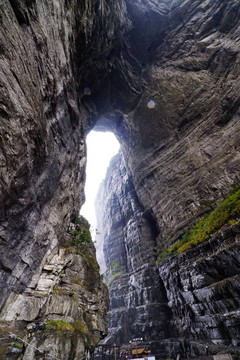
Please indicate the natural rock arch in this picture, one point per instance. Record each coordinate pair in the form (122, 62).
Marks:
(186, 59)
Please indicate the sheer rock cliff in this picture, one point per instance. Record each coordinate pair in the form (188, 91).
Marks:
(64, 316)
(187, 145)
(69, 65)
(138, 302)
(188, 303)
(49, 55)
(183, 163)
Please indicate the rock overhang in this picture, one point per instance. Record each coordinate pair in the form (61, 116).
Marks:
(189, 151)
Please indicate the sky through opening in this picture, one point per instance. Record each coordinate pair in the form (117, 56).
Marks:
(101, 147)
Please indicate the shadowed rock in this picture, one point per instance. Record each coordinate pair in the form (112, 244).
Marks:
(179, 154)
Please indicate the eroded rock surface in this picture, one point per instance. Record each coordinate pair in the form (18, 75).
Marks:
(184, 152)
(183, 163)
(47, 56)
(184, 305)
(49, 66)
(64, 316)
(138, 302)
(41, 137)
(203, 291)
(66, 64)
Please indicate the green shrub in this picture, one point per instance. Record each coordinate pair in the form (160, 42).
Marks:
(163, 255)
(82, 221)
(60, 325)
(80, 327)
(57, 290)
(74, 297)
(227, 211)
(82, 235)
(78, 282)
(90, 260)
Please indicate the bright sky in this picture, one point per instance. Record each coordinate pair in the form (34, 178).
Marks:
(101, 147)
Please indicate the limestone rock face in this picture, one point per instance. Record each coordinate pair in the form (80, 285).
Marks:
(180, 143)
(164, 76)
(41, 137)
(49, 56)
(188, 303)
(184, 151)
(63, 316)
(203, 291)
(138, 302)
(46, 79)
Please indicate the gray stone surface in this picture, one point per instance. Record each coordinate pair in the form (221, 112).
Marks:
(138, 301)
(223, 357)
(66, 64)
(49, 53)
(41, 136)
(190, 301)
(69, 290)
(184, 153)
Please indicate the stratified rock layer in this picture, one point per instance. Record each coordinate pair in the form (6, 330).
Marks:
(183, 152)
(203, 287)
(181, 148)
(187, 304)
(45, 67)
(49, 58)
(64, 64)
(41, 137)
(64, 316)
(138, 301)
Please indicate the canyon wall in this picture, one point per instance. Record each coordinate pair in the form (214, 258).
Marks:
(183, 152)
(69, 64)
(188, 303)
(46, 79)
(180, 145)
(50, 53)
(138, 301)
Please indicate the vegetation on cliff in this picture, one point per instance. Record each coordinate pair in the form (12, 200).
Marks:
(81, 235)
(227, 211)
(81, 241)
(61, 325)
(114, 272)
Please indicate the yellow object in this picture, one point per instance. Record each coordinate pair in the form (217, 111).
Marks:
(140, 351)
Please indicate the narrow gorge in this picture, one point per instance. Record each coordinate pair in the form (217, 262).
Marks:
(164, 77)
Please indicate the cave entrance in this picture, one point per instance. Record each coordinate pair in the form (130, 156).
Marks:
(101, 147)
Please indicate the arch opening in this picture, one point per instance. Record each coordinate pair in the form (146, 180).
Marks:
(101, 147)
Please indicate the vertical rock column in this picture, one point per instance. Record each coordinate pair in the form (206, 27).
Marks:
(138, 302)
